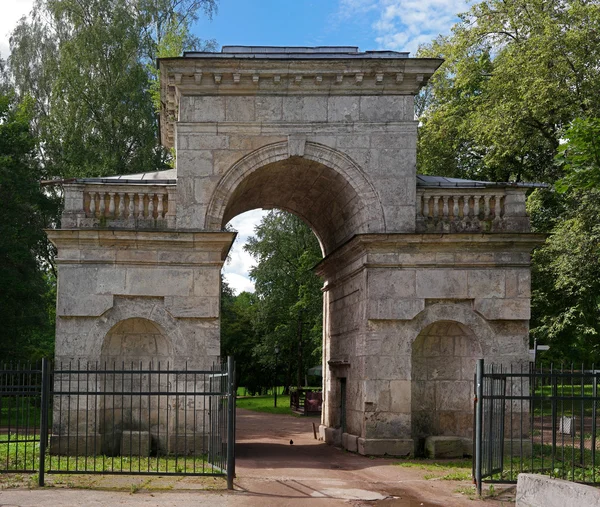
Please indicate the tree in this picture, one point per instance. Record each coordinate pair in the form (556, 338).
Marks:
(88, 66)
(239, 339)
(288, 296)
(516, 74)
(26, 305)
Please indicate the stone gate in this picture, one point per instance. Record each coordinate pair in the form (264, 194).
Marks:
(422, 275)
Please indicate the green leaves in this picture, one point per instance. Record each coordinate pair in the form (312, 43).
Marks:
(579, 155)
(26, 313)
(515, 74)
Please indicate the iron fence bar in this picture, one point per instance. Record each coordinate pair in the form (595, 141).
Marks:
(230, 422)
(594, 423)
(43, 421)
(478, 423)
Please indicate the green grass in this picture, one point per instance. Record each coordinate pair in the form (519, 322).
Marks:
(460, 470)
(25, 456)
(265, 404)
(568, 464)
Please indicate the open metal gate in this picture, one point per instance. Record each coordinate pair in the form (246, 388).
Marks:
(490, 397)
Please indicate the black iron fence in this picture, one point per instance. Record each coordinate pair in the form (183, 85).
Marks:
(117, 419)
(537, 421)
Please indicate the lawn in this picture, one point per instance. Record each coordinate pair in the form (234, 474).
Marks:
(25, 457)
(265, 404)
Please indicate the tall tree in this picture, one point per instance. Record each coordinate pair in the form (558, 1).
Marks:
(89, 67)
(288, 297)
(516, 73)
(27, 325)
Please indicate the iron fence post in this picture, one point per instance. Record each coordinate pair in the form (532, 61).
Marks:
(43, 421)
(230, 422)
(478, 423)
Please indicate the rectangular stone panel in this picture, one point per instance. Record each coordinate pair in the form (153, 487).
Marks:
(442, 283)
(387, 108)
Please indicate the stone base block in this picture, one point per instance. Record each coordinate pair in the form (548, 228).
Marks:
(444, 447)
(542, 491)
(76, 445)
(382, 447)
(333, 436)
(350, 442)
(135, 443)
(188, 444)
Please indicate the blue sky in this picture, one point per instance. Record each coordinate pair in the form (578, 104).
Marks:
(399, 25)
(370, 24)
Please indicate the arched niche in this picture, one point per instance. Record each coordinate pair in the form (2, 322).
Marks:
(136, 342)
(444, 356)
(139, 345)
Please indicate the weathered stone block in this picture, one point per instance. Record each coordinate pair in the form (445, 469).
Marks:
(135, 443)
(385, 447)
(350, 442)
(76, 445)
(443, 447)
(333, 436)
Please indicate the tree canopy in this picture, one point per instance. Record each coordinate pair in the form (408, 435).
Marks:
(90, 68)
(26, 291)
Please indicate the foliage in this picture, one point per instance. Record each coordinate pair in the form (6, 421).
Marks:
(265, 404)
(566, 271)
(26, 283)
(515, 74)
(88, 65)
(289, 302)
(579, 155)
(285, 310)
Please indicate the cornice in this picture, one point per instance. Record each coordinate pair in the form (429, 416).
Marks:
(229, 76)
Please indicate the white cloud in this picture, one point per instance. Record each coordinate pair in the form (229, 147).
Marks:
(402, 25)
(238, 266)
(12, 11)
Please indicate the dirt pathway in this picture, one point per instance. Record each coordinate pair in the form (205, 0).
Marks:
(309, 468)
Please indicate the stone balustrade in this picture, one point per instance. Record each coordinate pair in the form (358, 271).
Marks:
(119, 205)
(495, 209)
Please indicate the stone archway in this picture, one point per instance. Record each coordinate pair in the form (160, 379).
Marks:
(443, 361)
(324, 187)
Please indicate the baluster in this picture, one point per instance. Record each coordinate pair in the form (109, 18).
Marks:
(151, 205)
(436, 206)
(465, 207)
(102, 204)
(486, 209)
(131, 207)
(160, 207)
(476, 199)
(140, 206)
(92, 204)
(455, 207)
(111, 204)
(121, 204)
(445, 211)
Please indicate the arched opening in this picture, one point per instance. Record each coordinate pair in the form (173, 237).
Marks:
(444, 356)
(322, 186)
(135, 344)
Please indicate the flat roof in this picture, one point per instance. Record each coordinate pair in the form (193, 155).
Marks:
(295, 53)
